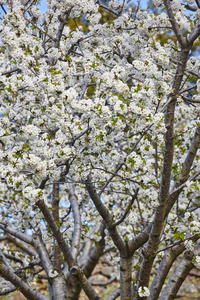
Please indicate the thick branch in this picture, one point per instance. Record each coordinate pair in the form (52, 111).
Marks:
(185, 170)
(63, 21)
(74, 269)
(150, 250)
(77, 221)
(179, 275)
(139, 240)
(198, 3)
(162, 271)
(194, 34)
(26, 238)
(103, 283)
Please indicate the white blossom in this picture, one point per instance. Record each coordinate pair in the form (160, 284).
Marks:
(143, 291)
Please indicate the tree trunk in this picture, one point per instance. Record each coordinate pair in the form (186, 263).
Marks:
(58, 288)
(126, 283)
(73, 288)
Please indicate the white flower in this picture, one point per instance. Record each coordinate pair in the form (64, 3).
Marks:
(189, 245)
(31, 131)
(53, 273)
(143, 291)
(114, 4)
(33, 194)
(71, 94)
(197, 262)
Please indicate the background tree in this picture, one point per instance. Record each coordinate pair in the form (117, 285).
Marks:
(111, 170)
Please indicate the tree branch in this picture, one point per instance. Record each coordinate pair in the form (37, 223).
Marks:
(185, 170)
(8, 274)
(63, 21)
(198, 3)
(175, 26)
(26, 248)
(164, 267)
(122, 164)
(149, 252)
(95, 254)
(74, 269)
(77, 221)
(103, 283)
(194, 34)
(55, 206)
(42, 252)
(10, 290)
(108, 9)
(105, 214)
(114, 295)
(27, 239)
(179, 275)
(127, 209)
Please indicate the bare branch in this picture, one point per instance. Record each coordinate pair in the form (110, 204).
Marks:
(191, 7)
(55, 205)
(77, 221)
(8, 274)
(103, 283)
(8, 291)
(42, 252)
(11, 71)
(63, 21)
(175, 26)
(188, 89)
(190, 100)
(114, 12)
(95, 254)
(105, 214)
(127, 209)
(40, 29)
(179, 275)
(26, 248)
(194, 34)
(26, 238)
(185, 170)
(74, 269)
(161, 274)
(114, 295)
(140, 239)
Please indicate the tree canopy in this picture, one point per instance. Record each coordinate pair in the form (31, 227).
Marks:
(99, 146)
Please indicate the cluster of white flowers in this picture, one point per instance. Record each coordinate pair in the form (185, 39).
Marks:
(143, 291)
(31, 131)
(197, 261)
(32, 193)
(189, 245)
